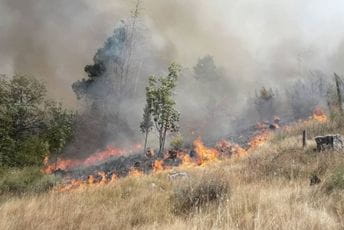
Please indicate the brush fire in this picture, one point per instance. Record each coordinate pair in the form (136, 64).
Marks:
(105, 167)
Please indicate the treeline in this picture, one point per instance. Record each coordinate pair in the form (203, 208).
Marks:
(32, 126)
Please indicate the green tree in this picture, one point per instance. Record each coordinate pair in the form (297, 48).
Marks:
(159, 96)
(31, 126)
(146, 124)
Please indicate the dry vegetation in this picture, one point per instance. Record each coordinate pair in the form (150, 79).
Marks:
(269, 189)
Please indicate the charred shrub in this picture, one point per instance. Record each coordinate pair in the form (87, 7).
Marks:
(199, 192)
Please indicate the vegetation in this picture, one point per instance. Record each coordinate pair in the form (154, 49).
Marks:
(161, 104)
(28, 180)
(269, 189)
(31, 126)
(146, 124)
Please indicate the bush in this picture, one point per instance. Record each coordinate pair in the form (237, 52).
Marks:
(177, 142)
(31, 126)
(336, 180)
(197, 193)
(26, 180)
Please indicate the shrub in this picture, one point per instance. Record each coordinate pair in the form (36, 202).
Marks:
(26, 180)
(336, 180)
(177, 142)
(31, 126)
(197, 193)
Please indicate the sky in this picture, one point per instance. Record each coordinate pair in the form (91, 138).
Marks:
(254, 40)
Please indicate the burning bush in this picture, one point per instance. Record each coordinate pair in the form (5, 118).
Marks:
(210, 188)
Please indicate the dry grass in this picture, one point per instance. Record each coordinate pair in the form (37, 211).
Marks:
(268, 190)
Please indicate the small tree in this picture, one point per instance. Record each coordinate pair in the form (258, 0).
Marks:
(146, 124)
(161, 104)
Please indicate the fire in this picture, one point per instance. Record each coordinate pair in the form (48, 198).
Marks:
(259, 139)
(67, 164)
(92, 181)
(205, 155)
(319, 115)
(158, 165)
(229, 149)
(135, 173)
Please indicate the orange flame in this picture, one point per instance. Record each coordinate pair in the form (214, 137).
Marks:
(259, 140)
(158, 165)
(67, 164)
(135, 173)
(205, 155)
(90, 182)
(230, 149)
(319, 115)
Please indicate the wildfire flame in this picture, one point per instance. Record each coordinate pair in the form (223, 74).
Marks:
(158, 165)
(319, 115)
(67, 164)
(204, 155)
(259, 139)
(92, 181)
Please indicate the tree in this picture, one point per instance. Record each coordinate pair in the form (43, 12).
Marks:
(159, 96)
(146, 124)
(31, 126)
(264, 103)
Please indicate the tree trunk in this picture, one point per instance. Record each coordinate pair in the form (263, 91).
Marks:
(339, 93)
(145, 146)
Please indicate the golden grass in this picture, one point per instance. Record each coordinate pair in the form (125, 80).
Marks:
(269, 189)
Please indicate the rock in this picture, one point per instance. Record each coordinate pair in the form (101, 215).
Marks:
(314, 180)
(178, 175)
(327, 142)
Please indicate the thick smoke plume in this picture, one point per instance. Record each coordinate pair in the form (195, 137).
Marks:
(251, 44)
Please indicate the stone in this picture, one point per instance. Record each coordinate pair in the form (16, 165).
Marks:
(178, 175)
(330, 142)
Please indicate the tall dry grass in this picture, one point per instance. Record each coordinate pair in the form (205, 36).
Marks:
(269, 189)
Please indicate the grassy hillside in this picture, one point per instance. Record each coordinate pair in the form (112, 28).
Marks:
(268, 189)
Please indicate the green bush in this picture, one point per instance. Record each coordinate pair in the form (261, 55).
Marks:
(177, 142)
(197, 193)
(25, 180)
(31, 126)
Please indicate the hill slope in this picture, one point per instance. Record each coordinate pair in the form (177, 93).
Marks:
(268, 189)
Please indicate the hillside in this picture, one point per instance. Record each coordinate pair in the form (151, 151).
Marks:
(267, 189)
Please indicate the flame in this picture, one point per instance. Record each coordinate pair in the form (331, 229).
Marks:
(135, 173)
(92, 181)
(158, 165)
(205, 155)
(67, 164)
(259, 139)
(227, 148)
(319, 115)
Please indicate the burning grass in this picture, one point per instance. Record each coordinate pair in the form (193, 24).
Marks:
(269, 189)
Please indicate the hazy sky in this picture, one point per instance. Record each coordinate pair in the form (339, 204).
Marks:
(252, 39)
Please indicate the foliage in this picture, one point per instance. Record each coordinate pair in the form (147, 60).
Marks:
(264, 103)
(304, 95)
(161, 104)
(25, 180)
(177, 142)
(206, 70)
(146, 124)
(30, 125)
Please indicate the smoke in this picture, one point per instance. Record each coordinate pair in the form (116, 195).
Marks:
(254, 43)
